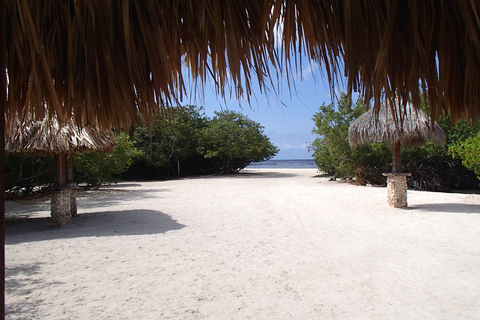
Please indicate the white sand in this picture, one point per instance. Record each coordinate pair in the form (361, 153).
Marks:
(264, 244)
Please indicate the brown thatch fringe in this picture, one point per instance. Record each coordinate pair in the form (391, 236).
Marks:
(395, 123)
(48, 137)
(104, 61)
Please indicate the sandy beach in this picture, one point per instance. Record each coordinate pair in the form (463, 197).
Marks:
(262, 244)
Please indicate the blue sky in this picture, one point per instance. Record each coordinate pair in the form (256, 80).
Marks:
(287, 117)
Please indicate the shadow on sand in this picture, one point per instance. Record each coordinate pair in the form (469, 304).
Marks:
(448, 207)
(96, 224)
(86, 200)
(21, 280)
(102, 198)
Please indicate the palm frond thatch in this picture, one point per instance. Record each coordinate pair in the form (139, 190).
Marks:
(106, 60)
(48, 137)
(405, 124)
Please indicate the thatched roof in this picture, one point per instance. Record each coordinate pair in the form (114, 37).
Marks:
(106, 60)
(47, 137)
(407, 125)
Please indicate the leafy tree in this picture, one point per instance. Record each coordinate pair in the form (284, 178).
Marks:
(95, 167)
(235, 141)
(432, 167)
(173, 141)
(26, 174)
(469, 151)
(331, 150)
(464, 143)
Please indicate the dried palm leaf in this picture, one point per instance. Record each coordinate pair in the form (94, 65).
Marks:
(105, 61)
(48, 137)
(393, 124)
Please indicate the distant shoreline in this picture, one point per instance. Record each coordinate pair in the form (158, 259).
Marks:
(285, 164)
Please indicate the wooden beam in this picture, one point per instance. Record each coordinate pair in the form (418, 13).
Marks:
(61, 169)
(69, 169)
(396, 158)
(3, 104)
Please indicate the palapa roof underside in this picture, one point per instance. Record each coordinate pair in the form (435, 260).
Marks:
(47, 137)
(106, 60)
(404, 124)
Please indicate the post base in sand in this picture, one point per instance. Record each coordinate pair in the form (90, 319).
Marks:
(397, 189)
(64, 206)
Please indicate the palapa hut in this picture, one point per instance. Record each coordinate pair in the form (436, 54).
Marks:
(397, 124)
(48, 137)
(105, 61)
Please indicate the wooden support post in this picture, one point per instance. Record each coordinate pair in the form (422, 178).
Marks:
(64, 203)
(3, 104)
(69, 169)
(396, 158)
(60, 172)
(70, 183)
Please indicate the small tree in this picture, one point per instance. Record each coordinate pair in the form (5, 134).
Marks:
(469, 151)
(96, 167)
(27, 174)
(331, 150)
(432, 167)
(236, 141)
(173, 141)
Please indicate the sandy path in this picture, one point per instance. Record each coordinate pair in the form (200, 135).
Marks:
(265, 244)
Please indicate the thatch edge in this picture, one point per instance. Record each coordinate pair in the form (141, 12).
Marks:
(412, 127)
(48, 137)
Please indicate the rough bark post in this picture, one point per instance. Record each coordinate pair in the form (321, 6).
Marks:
(62, 197)
(397, 189)
(69, 169)
(60, 170)
(70, 183)
(3, 103)
(396, 158)
(61, 207)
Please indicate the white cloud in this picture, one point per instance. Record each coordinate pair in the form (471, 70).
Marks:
(307, 70)
(289, 146)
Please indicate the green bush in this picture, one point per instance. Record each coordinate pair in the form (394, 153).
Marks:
(332, 152)
(95, 168)
(187, 143)
(168, 144)
(432, 167)
(469, 151)
(235, 141)
(25, 175)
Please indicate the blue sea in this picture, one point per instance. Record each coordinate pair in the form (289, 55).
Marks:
(285, 164)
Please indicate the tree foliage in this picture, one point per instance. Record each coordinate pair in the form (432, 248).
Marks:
(187, 142)
(171, 142)
(26, 174)
(331, 150)
(468, 151)
(236, 141)
(433, 167)
(96, 167)
(183, 142)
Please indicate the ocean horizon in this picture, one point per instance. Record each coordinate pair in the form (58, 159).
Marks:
(285, 164)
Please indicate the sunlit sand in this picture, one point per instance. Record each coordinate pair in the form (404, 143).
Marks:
(263, 244)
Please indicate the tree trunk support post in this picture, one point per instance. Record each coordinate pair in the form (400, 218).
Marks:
(396, 157)
(64, 199)
(397, 189)
(3, 106)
